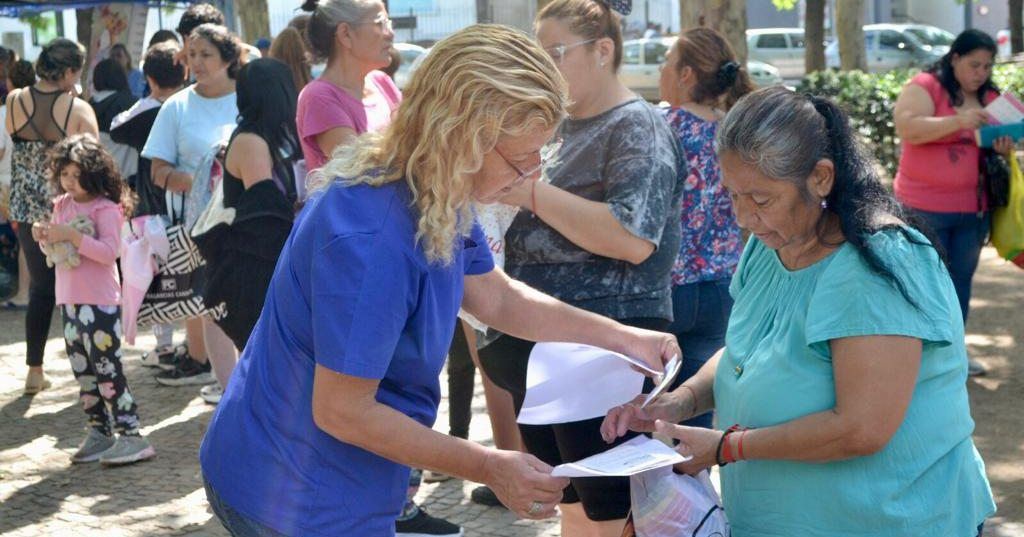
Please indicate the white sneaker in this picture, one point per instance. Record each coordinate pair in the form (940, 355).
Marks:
(211, 394)
(127, 450)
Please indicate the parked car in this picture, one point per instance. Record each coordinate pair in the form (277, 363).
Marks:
(409, 52)
(642, 59)
(890, 46)
(934, 39)
(781, 47)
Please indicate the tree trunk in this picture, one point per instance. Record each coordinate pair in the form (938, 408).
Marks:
(729, 17)
(255, 19)
(850, 31)
(814, 36)
(83, 21)
(1016, 26)
(483, 11)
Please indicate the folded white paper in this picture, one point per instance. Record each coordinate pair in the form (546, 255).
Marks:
(671, 371)
(568, 382)
(637, 455)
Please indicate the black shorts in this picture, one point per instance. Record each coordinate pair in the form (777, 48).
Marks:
(603, 498)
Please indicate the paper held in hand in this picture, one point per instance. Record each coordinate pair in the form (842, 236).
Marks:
(567, 382)
(671, 370)
(1005, 109)
(633, 457)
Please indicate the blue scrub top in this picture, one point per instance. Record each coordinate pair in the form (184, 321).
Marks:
(352, 292)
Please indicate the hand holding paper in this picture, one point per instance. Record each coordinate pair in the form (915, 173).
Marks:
(637, 455)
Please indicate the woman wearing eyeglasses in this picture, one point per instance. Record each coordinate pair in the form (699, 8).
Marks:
(601, 232)
(338, 386)
(351, 96)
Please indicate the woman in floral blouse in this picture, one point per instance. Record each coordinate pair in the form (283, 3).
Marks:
(701, 80)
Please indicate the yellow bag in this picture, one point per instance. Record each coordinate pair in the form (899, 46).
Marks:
(1008, 222)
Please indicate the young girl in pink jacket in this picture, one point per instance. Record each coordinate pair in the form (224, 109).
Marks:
(82, 240)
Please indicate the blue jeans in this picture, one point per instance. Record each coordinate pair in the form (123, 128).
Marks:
(237, 524)
(701, 312)
(961, 235)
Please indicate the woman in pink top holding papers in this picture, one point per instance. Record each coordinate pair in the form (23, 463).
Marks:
(936, 116)
(351, 96)
(82, 241)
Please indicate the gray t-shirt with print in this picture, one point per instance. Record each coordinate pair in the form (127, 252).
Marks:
(625, 157)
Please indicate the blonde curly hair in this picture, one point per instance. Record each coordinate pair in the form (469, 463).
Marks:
(481, 84)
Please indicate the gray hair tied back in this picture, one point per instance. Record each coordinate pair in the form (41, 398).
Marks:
(785, 134)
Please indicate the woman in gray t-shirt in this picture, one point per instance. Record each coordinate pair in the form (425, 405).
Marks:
(600, 231)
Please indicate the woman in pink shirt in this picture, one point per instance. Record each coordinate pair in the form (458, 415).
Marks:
(351, 96)
(936, 115)
(88, 291)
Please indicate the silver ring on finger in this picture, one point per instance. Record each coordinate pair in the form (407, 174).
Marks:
(535, 509)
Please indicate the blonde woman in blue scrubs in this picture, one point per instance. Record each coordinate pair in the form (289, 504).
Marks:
(337, 389)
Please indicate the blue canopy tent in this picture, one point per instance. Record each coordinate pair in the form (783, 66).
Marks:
(17, 8)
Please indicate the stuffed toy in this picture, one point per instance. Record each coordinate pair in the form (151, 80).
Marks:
(63, 254)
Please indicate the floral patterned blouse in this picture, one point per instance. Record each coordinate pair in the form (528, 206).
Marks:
(711, 243)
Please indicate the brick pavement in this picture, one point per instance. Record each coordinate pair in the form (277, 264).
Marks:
(42, 493)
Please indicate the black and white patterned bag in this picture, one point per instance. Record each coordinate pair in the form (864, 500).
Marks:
(175, 294)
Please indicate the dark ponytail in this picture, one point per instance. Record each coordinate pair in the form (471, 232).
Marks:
(720, 78)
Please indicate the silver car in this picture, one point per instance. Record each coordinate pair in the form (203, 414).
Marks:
(642, 59)
(890, 46)
(781, 47)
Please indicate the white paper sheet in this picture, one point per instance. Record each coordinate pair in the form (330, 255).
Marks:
(671, 370)
(637, 455)
(1005, 109)
(568, 382)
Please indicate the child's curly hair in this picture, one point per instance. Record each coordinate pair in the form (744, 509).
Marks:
(99, 174)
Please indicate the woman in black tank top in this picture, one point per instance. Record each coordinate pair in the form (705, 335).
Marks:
(259, 184)
(38, 117)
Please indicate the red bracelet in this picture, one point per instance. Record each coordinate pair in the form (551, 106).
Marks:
(727, 456)
(739, 446)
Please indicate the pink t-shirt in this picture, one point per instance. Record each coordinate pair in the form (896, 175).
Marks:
(323, 106)
(95, 281)
(942, 175)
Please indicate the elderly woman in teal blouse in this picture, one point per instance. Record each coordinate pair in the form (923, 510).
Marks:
(840, 395)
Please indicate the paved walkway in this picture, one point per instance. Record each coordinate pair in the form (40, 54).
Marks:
(41, 493)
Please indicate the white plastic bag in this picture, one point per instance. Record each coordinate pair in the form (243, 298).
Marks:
(667, 504)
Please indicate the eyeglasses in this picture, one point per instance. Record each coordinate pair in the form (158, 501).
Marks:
(547, 155)
(382, 21)
(557, 52)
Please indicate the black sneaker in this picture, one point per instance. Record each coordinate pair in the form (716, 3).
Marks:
(483, 495)
(188, 371)
(424, 525)
(165, 358)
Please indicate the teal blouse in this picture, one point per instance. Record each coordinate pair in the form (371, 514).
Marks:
(929, 479)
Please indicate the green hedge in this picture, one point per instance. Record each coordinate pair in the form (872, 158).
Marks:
(869, 99)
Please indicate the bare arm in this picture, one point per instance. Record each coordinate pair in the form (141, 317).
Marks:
(521, 311)
(346, 408)
(166, 176)
(83, 119)
(12, 97)
(588, 224)
(874, 377)
(914, 117)
(331, 139)
(249, 159)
